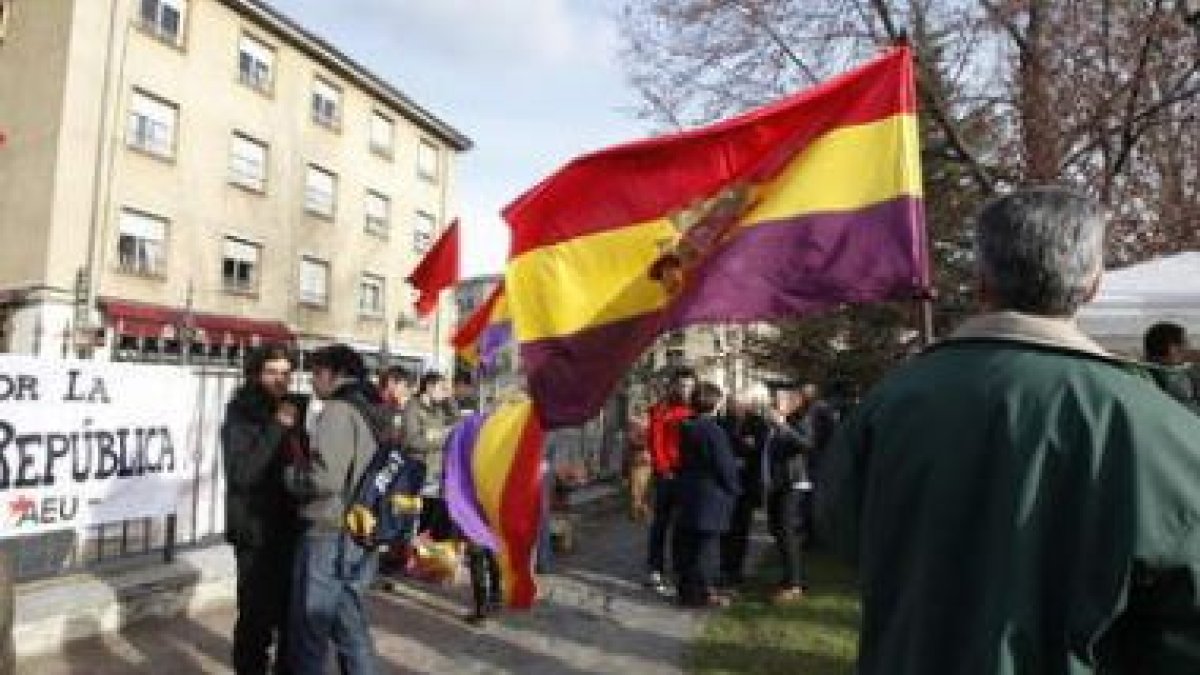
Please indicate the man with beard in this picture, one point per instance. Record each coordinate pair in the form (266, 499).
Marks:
(260, 421)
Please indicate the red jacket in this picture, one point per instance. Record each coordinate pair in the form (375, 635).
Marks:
(663, 437)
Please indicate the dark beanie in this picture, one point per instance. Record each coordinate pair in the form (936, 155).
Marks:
(341, 359)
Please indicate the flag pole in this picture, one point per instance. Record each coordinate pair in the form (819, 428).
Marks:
(925, 295)
(924, 301)
(437, 336)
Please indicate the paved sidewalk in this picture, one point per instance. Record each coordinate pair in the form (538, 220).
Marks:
(594, 617)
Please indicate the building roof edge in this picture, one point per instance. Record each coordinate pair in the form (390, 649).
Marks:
(323, 52)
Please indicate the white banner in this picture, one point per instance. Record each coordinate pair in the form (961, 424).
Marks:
(89, 442)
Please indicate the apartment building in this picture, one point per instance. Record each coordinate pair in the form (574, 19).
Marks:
(472, 292)
(197, 176)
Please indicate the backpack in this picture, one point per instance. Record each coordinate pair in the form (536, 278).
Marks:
(384, 506)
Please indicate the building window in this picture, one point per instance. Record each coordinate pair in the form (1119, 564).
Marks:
(141, 243)
(383, 131)
(162, 19)
(423, 228)
(379, 211)
(152, 124)
(248, 163)
(314, 281)
(427, 161)
(326, 104)
(370, 295)
(239, 265)
(256, 64)
(320, 191)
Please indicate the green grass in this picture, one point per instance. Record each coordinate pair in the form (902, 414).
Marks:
(817, 636)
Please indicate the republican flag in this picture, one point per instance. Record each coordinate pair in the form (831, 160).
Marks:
(493, 489)
(437, 271)
(480, 338)
(805, 204)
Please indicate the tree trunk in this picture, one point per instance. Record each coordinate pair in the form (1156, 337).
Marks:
(1039, 133)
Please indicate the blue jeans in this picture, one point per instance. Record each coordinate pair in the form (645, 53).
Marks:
(329, 588)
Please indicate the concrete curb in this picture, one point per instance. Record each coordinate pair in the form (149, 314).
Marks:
(50, 613)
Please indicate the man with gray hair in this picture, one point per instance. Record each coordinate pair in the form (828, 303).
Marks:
(1017, 500)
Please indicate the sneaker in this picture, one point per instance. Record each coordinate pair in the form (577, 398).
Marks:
(787, 596)
(658, 583)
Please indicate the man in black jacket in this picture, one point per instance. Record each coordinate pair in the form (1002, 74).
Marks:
(788, 488)
(260, 422)
(747, 430)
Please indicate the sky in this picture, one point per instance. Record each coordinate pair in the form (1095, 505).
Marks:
(533, 83)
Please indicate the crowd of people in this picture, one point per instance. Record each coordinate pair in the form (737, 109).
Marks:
(703, 462)
(301, 580)
(1015, 498)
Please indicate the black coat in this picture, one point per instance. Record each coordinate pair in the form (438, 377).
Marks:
(747, 435)
(707, 483)
(786, 448)
(258, 511)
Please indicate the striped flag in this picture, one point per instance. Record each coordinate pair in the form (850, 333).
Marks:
(486, 332)
(803, 205)
(494, 490)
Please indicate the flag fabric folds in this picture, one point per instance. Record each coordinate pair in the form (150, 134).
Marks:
(480, 338)
(805, 204)
(437, 271)
(493, 490)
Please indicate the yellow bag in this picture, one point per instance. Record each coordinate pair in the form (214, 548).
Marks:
(435, 561)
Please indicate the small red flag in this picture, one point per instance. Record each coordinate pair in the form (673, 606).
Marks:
(437, 271)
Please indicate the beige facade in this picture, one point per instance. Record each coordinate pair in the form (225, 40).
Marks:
(211, 155)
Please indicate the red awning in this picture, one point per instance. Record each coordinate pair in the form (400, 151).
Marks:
(223, 328)
(139, 320)
(145, 320)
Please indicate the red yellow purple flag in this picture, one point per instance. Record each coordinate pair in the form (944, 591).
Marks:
(481, 337)
(494, 490)
(805, 204)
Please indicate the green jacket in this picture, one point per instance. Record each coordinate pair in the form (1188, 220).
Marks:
(424, 432)
(1018, 503)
